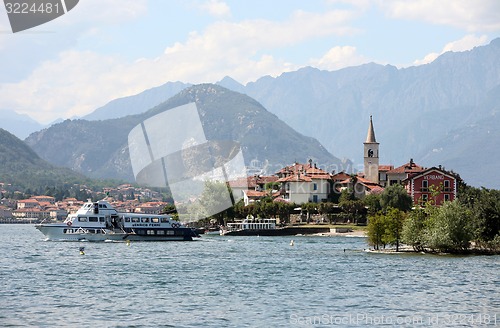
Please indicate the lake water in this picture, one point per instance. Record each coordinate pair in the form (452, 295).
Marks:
(239, 282)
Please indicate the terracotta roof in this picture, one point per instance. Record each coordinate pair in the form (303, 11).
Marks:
(340, 176)
(409, 167)
(309, 170)
(29, 200)
(385, 168)
(426, 171)
(252, 181)
(259, 194)
(367, 183)
(296, 178)
(376, 190)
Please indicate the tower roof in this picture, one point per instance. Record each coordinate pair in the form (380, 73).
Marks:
(370, 137)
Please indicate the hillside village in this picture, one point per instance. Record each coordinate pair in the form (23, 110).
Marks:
(302, 183)
(298, 183)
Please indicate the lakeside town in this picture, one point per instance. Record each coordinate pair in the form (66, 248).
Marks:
(409, 204)
(299, 183)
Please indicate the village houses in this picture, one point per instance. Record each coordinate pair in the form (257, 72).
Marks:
(303, 183)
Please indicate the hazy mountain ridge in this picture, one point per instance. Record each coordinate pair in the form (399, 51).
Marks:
(136, 104)
(20, 125)
(99, 148)
(413, 108)
(22, 167)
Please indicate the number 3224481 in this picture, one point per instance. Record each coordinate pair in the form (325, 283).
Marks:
(26, 8)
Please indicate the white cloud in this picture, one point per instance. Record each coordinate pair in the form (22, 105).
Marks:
(76, 82)
(466, 43)
(216, 8)
(472, 16)
(339, 57)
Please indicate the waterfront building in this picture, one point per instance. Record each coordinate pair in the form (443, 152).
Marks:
(434, 185)
(303, 183)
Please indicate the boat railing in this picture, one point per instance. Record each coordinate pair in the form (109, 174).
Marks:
(81, 230)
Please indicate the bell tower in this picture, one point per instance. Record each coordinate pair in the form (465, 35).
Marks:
(371, 159)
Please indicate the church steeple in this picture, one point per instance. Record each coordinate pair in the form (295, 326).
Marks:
(370, 137)
(371, 160)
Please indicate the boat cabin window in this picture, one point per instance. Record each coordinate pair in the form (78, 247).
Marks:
(127, 219)
(82, 219)
(155, 220)
(101, 219)
(145, 220)
(92, 218)
(160, 232)
(102, 206)
(164, 220)
(135, 220)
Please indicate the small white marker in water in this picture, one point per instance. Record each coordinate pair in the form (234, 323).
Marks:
(291, 242)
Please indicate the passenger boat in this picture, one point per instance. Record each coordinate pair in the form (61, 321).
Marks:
(250, 227)
(99, 221)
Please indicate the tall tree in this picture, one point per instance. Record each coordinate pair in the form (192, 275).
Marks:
(395, 196)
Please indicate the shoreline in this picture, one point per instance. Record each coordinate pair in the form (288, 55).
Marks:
(354, 233)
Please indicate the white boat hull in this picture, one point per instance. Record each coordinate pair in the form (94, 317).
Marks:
(60, 232)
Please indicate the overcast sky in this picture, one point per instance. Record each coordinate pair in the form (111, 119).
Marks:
(105, 49)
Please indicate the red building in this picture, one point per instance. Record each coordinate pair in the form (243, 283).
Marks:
(433, 184)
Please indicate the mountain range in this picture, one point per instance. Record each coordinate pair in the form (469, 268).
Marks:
(100, 148)
(441, 113)
(24, 169)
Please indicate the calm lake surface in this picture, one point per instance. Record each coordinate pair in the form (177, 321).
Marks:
(239, 282)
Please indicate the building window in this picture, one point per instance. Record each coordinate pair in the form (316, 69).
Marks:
(315, 198)
(446, 185)
(393, 182)
(446, 197)
(424, 198)
(425, 185)
(315, 186)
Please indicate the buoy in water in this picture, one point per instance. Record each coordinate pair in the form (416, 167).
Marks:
(128, 242)
(291, 242)
(82, 250)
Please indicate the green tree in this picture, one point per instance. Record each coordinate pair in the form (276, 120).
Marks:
(284, 211)
(309, 208)
(449, 228)
(376, 230)
(352, 207)
(326, 209)
(395, 196)
(486, 215)
(214, 200)
(393, 222)
(413, 232)
(372, 201)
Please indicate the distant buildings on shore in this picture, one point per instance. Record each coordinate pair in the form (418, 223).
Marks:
(125, 198)
(303, 183)
(297, 183)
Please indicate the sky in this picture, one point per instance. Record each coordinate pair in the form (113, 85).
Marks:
(106, 49)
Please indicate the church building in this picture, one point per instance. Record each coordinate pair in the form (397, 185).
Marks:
(371, 159)
(424, 185)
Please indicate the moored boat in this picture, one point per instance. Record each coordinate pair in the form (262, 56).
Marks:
(99, 221)
(250, 227)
